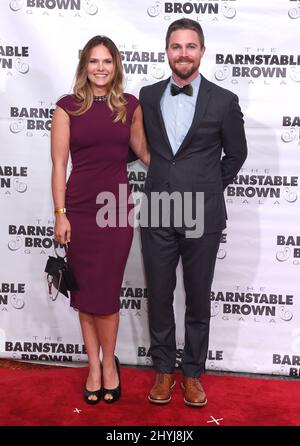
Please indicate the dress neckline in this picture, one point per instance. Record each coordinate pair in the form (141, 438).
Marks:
(100, 98)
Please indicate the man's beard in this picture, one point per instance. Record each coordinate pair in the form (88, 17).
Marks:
(184, 74)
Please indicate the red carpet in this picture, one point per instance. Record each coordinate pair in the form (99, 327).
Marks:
(53, 398)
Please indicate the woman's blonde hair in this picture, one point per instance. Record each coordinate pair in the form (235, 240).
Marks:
(82, 88)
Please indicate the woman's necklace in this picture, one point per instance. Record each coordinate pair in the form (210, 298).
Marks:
(100, 98)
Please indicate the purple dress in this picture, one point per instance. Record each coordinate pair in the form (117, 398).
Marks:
(98, 255)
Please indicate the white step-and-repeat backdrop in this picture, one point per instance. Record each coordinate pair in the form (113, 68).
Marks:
(253, 50)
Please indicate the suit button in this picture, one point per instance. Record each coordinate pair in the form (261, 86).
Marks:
(167, 184)
(173, 162)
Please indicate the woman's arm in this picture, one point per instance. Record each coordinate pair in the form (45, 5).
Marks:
(138, 141)
(60, 140)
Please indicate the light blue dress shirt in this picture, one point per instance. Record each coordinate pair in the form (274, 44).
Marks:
(178, 112)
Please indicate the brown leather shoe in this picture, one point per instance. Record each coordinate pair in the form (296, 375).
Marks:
(194, 394)
(162, 389)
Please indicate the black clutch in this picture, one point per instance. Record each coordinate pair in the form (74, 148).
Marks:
(60, 275)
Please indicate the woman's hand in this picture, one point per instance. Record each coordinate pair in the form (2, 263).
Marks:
(62, 229)
(146, 158)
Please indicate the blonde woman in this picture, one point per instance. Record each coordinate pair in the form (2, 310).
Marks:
(96, 125)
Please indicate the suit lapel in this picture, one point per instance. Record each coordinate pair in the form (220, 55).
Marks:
(160, 92)
(201, 106)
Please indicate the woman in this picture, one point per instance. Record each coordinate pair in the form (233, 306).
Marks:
(96, 125)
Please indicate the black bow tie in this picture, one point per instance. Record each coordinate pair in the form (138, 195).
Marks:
(187, 89)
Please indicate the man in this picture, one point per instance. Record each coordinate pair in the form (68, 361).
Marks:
(188, 121)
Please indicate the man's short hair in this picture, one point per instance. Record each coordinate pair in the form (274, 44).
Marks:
(185, 24)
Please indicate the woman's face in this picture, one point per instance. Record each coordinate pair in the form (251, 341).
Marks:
(100, 70)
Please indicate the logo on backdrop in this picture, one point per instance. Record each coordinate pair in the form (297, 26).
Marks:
(214, 359)
(289, 364)
(144, 357)
(57, 7)
(245, 304)
(12, 179)
(288, 249)
(134, 300)
(254, 65)
(32, 120)
(147, 65)
(14, 59)
(260, 186)
(12, 296)
(199, 10)
(294, 11)
(48, 349)
(31, 239)
(291, 129)
(222, 253)
(136, 179)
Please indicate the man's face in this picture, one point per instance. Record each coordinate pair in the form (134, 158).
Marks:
(184, 54)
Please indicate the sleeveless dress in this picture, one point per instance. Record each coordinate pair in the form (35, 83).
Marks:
(98, 255)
